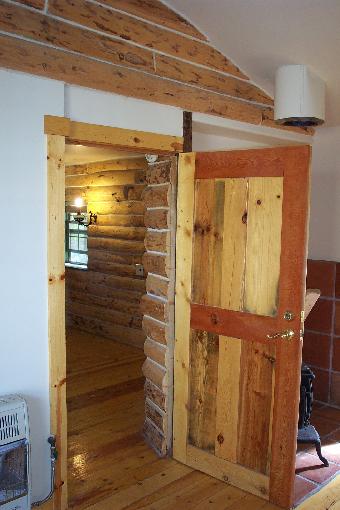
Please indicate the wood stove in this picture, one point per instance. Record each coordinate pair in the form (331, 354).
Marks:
(307, 432)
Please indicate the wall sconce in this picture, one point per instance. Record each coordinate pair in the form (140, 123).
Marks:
(80, 217)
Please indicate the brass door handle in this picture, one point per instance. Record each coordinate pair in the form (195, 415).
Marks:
(285, 335)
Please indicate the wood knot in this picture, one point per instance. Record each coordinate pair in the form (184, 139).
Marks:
(259, 202)
(220, 439)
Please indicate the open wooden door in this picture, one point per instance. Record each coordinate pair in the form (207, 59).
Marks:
(240, 287)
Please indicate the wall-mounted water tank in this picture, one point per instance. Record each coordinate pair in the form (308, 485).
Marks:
(299, 97)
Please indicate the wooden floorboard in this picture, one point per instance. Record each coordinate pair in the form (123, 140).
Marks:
(110, 466)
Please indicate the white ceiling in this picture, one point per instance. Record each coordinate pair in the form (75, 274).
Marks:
(261, 35)
(80, 154)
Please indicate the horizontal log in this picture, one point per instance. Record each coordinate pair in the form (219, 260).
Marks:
(174, 69)
(156, 264)
(157, 241)
(122, 334)
(128, 220)
(155, 308)
(157, 286)
(117, 282)
(154, 394)
(157, 196)
(134, 233)
(132, 163)
(150, 36)
(113, 303)
(114, 269)
(157, 12)
(118, 193)
(113, 207)
(154, 438)
(157, 417)
(103, 243)
(157, 218)
(155, 351)
(105, 291)
(108, 178)
(44, 29)
(133, 320)
(37, 4)
(158, 173)
(113, 258)
(155, 330)
(57, 64)
(155, 373)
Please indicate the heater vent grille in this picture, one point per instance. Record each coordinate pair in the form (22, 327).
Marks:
(13, 420)
(9, 427)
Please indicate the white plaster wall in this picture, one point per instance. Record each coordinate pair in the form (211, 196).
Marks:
(203, 141)
(24, 100)
(324, 241)
(95, 107)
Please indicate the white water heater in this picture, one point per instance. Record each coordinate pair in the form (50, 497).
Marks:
(14, 454)
(299, 97)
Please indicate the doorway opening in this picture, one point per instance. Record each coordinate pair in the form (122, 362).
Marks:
(105, 282)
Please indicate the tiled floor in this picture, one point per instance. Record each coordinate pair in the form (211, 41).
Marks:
(311, 474)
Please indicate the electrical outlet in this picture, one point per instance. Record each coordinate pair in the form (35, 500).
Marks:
(139, 269)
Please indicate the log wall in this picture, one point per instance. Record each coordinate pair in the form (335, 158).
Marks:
(158, 302)
(105, 298)
(129, 47)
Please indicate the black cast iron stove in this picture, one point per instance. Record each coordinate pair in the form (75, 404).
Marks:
(307, 432)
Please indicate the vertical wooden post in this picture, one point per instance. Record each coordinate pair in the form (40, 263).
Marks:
(56, 309)
(187, 131)
(185, 208)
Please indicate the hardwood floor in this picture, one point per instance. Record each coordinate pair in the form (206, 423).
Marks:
(110, 466)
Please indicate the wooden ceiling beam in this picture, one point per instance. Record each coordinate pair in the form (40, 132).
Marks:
(126, 27)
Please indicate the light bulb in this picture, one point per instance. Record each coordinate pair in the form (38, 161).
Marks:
(79, 202)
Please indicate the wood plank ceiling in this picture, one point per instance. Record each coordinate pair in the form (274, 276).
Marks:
(137, 48)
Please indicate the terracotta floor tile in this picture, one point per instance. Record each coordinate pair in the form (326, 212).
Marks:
(302, 487)
(323, 425)
(330, 413)
(335, 436)
(318, 405)
(312, 468)
(330, 450)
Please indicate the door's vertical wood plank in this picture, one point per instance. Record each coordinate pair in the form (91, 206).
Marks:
(56, 309)
(255, 402)
(263, 245)
(227, 399)
(203, 241)
(203, 385)
(216, 249)
(261, 294)
(234, 243)
(184, 238)
(232, 277)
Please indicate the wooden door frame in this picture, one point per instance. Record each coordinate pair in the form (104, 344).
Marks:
(58, 131)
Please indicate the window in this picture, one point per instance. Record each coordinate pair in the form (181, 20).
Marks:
(75, 241)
